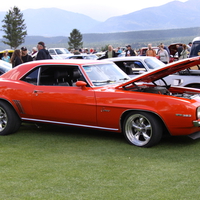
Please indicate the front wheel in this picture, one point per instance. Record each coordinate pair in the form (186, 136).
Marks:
(9, 120)
(142, 129)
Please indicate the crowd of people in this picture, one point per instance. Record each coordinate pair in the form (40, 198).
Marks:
(162, 52)
(20, 56)
(39, 53)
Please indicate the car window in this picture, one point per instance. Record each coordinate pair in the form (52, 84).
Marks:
(52, 52)
(31, 77)
(153, 63)
(54, 75)
(134, 67)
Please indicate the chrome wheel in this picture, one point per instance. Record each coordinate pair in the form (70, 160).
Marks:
(3, 119)
(142, 129)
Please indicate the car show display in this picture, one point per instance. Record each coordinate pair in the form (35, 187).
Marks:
(97, 94)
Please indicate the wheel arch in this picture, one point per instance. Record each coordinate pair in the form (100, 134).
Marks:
(123, 116)
(11, 105)
(193, 85)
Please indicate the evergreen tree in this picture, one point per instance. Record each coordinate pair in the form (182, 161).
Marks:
(14, 28)
(75, 39)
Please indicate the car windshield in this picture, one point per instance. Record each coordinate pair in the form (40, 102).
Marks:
(5, 66)
(104, 74)
(153, 63)
(62, 51)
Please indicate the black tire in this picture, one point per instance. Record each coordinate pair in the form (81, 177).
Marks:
(142, 129)
(9, 120)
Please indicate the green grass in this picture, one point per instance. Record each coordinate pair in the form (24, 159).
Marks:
(56, 163)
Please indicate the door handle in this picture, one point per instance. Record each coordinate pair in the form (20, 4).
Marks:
(36, 92)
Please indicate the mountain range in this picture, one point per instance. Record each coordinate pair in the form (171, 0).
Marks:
(51, 22)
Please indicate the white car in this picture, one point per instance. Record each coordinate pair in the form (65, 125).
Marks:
(62, 53)
(136, 65)
(83, 56)
(4, 67)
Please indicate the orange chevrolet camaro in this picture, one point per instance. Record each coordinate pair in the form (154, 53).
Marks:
(97, 94)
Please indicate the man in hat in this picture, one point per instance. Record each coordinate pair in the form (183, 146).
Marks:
(42, 52)
(129, 51)
(25, 56)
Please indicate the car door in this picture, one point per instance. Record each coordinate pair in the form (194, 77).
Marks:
(62, 103)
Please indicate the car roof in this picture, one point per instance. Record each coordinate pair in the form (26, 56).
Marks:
(17, 72)
(164, 71)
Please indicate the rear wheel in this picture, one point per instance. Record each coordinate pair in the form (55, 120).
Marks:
(142, 129)
(9, 120)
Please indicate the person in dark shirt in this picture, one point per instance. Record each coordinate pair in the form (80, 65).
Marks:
(42, 52)
(130, 51)
(16, 58)
(25, 56)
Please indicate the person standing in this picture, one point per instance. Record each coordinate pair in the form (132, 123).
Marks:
(42, 52)
(16, 58)
(34, 52)
(110, 53)
(184, 53)
(129, 51)
(163, 54)
(6, 57)
(25, 56)
(179, 50)
(150, 51)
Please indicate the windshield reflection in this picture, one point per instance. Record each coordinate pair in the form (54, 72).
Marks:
(153, 63)
(104, 74)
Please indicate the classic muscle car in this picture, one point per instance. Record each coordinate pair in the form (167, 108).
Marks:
(98, 95)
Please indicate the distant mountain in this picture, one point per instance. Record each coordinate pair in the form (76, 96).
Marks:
(54, 22)
(175, 14)
(57, 22)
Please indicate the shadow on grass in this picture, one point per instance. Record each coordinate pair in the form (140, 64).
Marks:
(76, 133)
(48, 130)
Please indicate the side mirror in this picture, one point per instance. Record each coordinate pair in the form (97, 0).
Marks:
(81, 84)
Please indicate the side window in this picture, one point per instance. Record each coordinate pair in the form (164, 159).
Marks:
(134, 67)
(52, 52)
(60, 75)
(31, 77)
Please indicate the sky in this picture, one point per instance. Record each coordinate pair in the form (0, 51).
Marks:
(98, 10)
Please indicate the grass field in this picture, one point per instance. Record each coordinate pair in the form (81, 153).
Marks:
(56, 163)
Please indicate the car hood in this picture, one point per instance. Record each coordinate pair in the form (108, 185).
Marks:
(162, 72)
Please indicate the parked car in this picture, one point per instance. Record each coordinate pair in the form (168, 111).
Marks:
(57, 53)
(136, 65)
(10, 52)
(83, 56)
(195, 49)
(97, 94)
(4, 67)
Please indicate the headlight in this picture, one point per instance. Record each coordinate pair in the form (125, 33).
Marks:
(198, 112)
